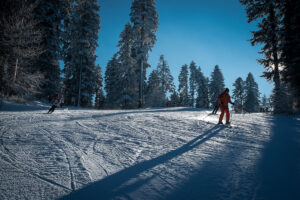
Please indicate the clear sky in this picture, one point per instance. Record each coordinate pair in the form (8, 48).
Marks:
(209, 32)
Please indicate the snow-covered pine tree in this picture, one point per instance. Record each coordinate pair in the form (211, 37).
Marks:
(159, 84)
(251, 95)
(100, 98)
(129, 86)
(183, 88)
(193, 82)
(83, 29)
(166, 79)
(174, 99)
(268, 34)
(264, 103)
(202, 100)
(144, 18)
(216, 85)
(238, 94)
(286, 96)
(49, 15)
(113, 83)
(155, 95)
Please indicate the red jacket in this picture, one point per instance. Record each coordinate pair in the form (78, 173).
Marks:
(224, 99)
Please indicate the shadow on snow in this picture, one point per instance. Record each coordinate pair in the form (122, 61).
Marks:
(276, 174)
(279, 168)
(109, 187)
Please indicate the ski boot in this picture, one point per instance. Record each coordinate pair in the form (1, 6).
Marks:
(227, 122)
(220, 122)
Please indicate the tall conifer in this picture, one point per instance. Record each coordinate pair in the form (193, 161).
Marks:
(144, 18)
(251, 95)
(216, 84)
(183, 88)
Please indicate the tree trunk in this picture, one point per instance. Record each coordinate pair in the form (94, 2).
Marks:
(15, 71)
(79, 87)
(277, 88)
(2, 63)
(141, 84)
(276, 77)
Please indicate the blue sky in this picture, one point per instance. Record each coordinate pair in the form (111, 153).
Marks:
(209, 32)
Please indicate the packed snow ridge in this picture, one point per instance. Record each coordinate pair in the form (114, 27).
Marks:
(166, 153)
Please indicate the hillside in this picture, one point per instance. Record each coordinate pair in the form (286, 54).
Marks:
(167, 153)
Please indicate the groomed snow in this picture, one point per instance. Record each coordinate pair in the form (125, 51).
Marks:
(167, 153)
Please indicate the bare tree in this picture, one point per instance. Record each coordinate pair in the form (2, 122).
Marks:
(20, 40)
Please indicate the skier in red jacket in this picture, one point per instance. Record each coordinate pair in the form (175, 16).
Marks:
(223, 100)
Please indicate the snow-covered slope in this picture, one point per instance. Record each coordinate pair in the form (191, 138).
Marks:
(173, 153)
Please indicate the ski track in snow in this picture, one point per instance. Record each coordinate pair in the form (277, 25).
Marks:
(130, 154)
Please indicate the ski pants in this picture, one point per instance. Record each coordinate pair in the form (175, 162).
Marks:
(51, 110)
(216, 108)
(226, 110)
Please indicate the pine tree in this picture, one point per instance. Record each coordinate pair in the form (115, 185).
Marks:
(48, 12)
(69, 86)
(286, 96)
(112, 83)
(155, 95)
(80, 56)
(174, 99)
(264, 103)
(69, 71)
(183, 86)
(269, 34)
(100, 98)
(290, 46)
(239, 92)
(129, 87)
(193, 82)
(202, 100)
(159, 84)
(144, 18)
(216, 84)
(251, 95)
(166, 79)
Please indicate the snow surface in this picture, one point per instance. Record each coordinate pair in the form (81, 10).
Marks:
(167, 153)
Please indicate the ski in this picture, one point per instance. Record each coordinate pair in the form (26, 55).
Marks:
(225, 125)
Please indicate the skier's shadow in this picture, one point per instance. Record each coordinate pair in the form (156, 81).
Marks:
(109, 187)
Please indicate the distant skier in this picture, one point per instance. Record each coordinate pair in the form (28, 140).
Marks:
(55, 104)
(216, 108)
(167, 104)
(223, 100)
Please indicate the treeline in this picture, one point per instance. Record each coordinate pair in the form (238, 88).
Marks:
(196, 90)
(48, 48)
(278, 33)
(36, 35)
